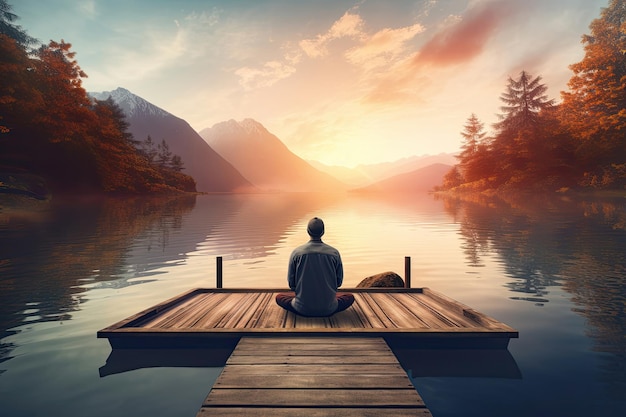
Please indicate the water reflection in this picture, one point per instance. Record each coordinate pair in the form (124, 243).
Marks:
(47, 253)
(548, 242)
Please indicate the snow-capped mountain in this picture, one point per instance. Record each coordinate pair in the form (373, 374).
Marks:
(264, 160)
(130, 103)
(210, 170)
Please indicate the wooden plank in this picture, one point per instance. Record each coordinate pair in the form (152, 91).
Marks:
(310, 341)
(264, 302)
(402, 317)
(311, 351)
(314, 397)
(329, 359)
(312, 369)
(189, 313)
(235, 380)
(151, 311)
(429, 315)
(273, 317)
(377, 311)
(240, 310)
(366, 314)
(312, 412)
(220, 310)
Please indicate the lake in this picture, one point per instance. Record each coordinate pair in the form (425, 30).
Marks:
(554, 269)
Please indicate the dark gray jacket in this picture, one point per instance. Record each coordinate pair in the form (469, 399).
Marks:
(315, 272)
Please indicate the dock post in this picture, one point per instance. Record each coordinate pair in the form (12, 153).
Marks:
(407, 272)
(218, 272)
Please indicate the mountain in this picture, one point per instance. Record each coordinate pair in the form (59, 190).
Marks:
(210, 170)
(419, 180)
(365, 174)
(264, 160)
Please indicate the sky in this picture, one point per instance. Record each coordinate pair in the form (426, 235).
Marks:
(340, 82)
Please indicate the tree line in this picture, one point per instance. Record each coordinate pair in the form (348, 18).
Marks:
(49, 126)
(539, 144)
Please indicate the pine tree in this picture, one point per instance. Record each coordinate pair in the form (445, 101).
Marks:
(473, 160)
(473, 135)
(148, 149)
(176, 163)
(524, 99)
(164, 154)
(8, 28)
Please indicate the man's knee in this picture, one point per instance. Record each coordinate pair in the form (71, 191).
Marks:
(284, 300)
(344, 300)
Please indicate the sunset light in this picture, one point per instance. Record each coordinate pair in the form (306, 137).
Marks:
(341, 82)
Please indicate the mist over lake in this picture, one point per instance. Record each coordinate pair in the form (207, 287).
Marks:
(554, 269)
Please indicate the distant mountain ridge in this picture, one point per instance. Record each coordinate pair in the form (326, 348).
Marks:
(420, 180)
(264, 159)
(366, 174)
(211, 171)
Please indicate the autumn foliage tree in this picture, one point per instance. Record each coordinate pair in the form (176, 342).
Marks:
(594, 108)
(50, 127)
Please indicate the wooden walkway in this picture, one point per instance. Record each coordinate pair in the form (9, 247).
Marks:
(382, 312)
(319, 376)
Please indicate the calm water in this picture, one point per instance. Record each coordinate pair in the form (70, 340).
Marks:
(554, 270)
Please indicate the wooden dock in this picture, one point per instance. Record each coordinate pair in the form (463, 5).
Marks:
(313, 376)
(203, 317)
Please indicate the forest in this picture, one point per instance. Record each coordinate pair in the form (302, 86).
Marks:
(51, 129)
(55, 138)
(539, 145)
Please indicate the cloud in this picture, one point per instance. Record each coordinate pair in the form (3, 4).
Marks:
(465, 39)
(349, 25)
(205, 18)
(269, 74)
(384, 46)
(458, 40)
(87, 9)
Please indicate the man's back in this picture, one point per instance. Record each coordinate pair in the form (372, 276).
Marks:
(315, 273)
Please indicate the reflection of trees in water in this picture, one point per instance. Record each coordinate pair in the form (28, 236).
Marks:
(543, 242)
(51, 257)
(47, 258)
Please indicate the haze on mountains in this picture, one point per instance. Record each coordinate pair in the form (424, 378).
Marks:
(264, 160)
(367, 174)
(417, 181)
(245, 156)
(210, 170)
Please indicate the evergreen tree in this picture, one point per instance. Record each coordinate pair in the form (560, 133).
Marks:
(520, 129)
(473, 135)
(524, 99)
(164, 154)
(176, 163)
(8, 28)
(148, 149)
(472, 158)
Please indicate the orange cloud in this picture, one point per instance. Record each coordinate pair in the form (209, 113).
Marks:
(383, 47)
(466, 39)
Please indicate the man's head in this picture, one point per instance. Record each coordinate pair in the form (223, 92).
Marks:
(315, 228)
